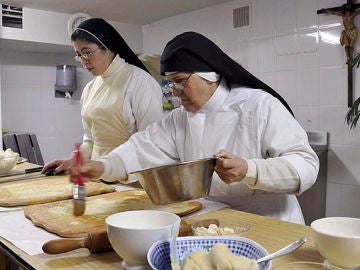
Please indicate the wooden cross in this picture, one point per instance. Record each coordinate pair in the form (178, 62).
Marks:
(348, 37)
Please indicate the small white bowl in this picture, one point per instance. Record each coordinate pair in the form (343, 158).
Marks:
(131, 233)
(8, 161)
(338, 240)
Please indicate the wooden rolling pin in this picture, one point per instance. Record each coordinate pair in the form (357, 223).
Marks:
(99, 241)
(94, 242)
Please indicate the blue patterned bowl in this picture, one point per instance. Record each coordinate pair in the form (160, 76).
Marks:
(159, 258)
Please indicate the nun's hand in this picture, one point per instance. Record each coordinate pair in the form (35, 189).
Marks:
(57, 166)
(90, 170)
(229, 167)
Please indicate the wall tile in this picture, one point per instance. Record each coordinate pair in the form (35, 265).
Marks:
(47, 143)
(332, 121)
(308, 60)
(332, 84)
(307, 41)
(286, 62)
(286, 85)
(333, 198)
(15, 121)
(286, 44)
(331, 52)
(335, 164)
(285, 24)
(265, 18)
(251, 56)
(306, 16)
(33, 98)
(12, 98)
(350, 201)
(351, 157)
(308, 117)
(47, 75)
(266, 55)
(308, 87)
(351, 136)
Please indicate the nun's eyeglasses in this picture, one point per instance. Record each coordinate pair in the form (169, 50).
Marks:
(85, 56)
(180, 85)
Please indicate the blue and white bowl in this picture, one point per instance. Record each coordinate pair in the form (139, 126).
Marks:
(159, 258)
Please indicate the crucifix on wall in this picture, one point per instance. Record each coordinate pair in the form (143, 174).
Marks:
(348, 37)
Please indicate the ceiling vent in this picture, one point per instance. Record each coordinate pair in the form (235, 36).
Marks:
(12, 16)
(241, 17)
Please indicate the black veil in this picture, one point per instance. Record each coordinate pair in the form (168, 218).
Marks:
(193, 52)
(107, 35)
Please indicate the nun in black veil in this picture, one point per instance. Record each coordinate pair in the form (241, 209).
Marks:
(121, 99)
(264, 155)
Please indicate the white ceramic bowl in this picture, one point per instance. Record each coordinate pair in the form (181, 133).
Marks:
(159, 258)
(131, 233)
(338, 240)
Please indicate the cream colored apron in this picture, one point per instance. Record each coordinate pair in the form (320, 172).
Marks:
(102, 111)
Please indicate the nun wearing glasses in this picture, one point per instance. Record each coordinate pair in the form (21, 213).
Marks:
(265, 159)
(120, 100)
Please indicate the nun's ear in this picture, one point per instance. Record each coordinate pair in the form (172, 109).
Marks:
(208, 82)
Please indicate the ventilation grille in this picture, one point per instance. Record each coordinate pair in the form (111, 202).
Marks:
(12, 16)
(241, 17)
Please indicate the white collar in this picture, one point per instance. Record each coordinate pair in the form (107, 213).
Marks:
(217, 99)
(116, 64)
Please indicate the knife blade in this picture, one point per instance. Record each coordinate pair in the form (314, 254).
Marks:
(50, 172)
(31, 170)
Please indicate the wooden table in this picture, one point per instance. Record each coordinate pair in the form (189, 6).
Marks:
(272, 234)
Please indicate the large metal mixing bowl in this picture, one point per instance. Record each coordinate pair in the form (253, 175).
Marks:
(177, 182)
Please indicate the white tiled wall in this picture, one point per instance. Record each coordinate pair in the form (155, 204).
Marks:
(29, 103)
(287, 46)
(27, 80)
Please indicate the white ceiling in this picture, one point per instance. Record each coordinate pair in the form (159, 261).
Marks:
(139, 12)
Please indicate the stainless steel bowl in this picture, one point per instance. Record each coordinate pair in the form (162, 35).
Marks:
(177, 182)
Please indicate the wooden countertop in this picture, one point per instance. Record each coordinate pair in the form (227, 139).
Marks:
(272, 234)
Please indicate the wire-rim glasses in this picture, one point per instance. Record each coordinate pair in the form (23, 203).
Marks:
(179, 86)
(85, 56)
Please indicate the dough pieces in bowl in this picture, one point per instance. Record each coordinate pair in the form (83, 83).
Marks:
(219, 258)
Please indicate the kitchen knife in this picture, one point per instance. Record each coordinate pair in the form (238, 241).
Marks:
(78, 186)
(50, 172)
(31, 170)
